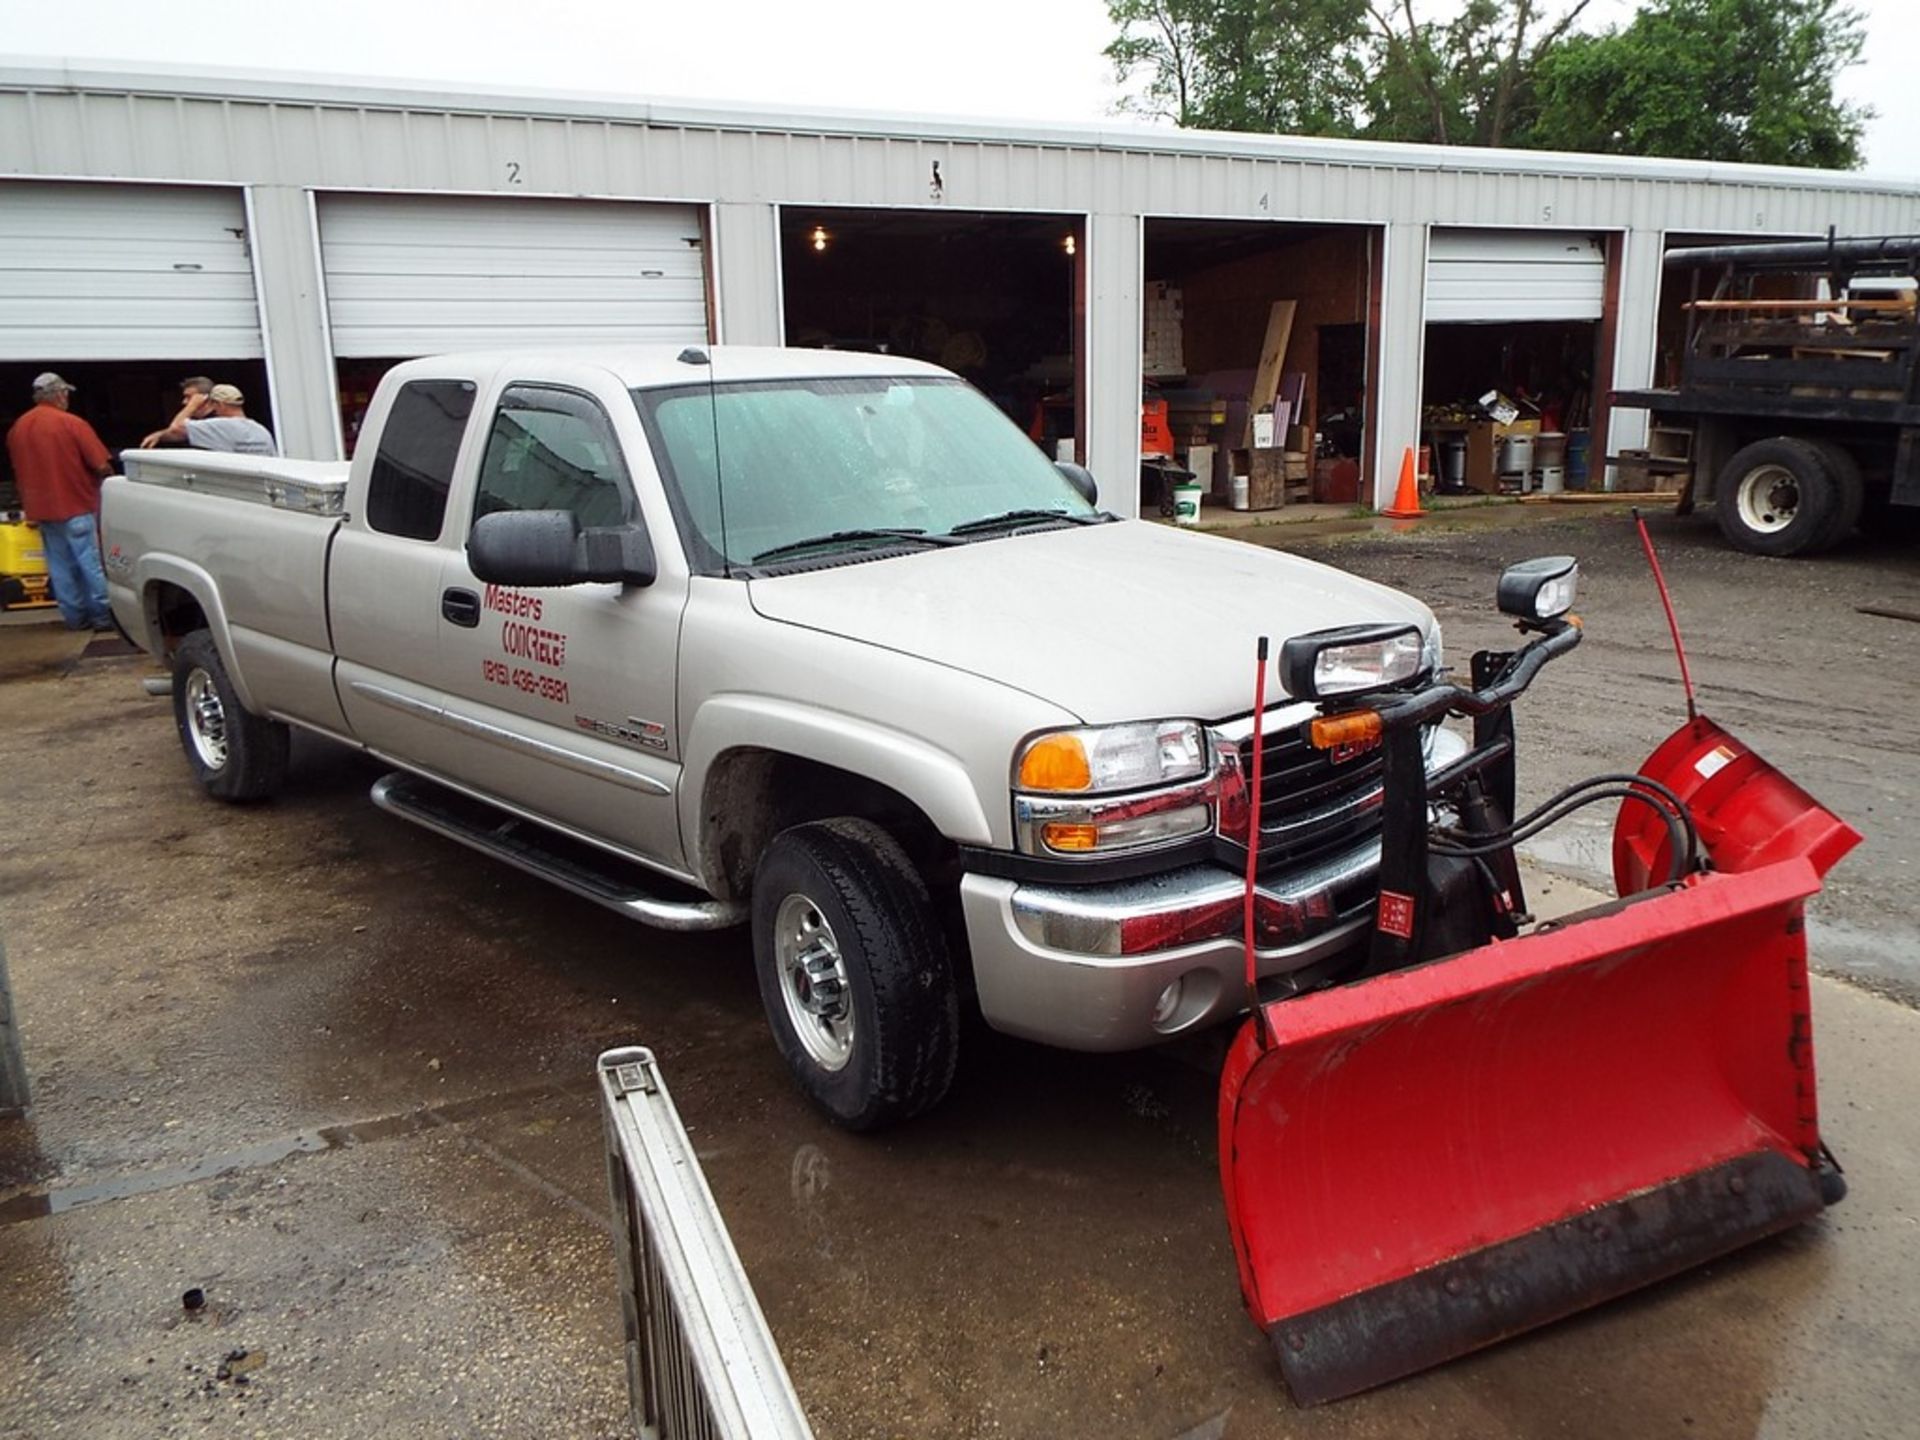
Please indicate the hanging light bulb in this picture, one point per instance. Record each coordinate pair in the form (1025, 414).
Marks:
(1070, 245)
(819, 237)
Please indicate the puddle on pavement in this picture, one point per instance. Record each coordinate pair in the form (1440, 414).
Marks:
(58, 1200)
(73, 1197)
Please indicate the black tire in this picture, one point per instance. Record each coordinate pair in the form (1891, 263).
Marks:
(1778, 497)
(236, 755)
(898, 1057)
(1849, 489)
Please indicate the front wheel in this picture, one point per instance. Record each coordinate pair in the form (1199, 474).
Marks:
(234, 754)
(854, 972)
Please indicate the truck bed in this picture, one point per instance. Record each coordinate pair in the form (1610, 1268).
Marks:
(246, 537)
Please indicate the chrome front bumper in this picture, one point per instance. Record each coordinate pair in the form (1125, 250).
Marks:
(1077, 966)
(1048, 961)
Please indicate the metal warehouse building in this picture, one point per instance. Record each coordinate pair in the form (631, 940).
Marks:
(297, 238)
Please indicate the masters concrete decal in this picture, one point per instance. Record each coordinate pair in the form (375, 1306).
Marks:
(523, 640)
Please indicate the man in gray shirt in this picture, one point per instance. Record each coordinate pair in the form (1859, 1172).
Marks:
(217, 421)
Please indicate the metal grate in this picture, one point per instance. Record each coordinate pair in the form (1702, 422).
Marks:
(701, 1363)
(1311, 803)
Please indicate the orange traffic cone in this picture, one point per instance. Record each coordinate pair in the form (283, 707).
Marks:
(1406, 502)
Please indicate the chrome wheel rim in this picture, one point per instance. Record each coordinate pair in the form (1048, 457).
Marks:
(206, 720)
(1768, 499)
(813, 982)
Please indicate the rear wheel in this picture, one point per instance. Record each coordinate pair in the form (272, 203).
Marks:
(234, 754)
(1779, 497)
(854, 972)
(1849, 490)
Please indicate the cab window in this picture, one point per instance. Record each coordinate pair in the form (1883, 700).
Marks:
(407, 488)
(553, 450)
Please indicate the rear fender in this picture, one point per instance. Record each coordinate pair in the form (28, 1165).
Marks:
(152, 571)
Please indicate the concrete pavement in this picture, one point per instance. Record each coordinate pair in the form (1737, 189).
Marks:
(337, 1074)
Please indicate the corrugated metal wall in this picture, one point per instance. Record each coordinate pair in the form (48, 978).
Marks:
(54, 131)
(280, 133)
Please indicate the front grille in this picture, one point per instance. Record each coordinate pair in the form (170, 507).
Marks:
(1310, 803)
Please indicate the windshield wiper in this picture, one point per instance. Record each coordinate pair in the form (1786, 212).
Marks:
(845, 537)
(1009, 518)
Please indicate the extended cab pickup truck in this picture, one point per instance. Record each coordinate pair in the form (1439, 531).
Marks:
(815, 642)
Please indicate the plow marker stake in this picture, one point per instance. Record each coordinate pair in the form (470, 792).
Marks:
(1430, 1161)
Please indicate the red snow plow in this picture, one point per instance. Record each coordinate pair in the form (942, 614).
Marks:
(1491, 1128)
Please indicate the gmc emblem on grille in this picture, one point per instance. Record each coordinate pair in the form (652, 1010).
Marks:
(1340, 754)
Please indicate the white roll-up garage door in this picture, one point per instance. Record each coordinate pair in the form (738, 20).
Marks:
(1491, 275)
(409, 275)
(124, 272)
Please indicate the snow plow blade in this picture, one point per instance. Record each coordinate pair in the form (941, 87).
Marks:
(1427, 1162)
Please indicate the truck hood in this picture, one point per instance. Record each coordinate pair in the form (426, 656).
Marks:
(1113, 622)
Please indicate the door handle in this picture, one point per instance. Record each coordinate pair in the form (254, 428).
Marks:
(462, 607)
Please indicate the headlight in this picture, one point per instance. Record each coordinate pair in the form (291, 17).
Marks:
(1540, 589)
(1104, 790)
(1111, 758)
(1433, 655)
(1351, 660)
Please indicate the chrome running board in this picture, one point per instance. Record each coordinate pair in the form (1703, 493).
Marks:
(526, 845)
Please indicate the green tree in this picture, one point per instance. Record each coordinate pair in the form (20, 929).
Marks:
(1712, 79)
(1744, 80)
(1337, 67)
(1296, 67)
(1466, 81)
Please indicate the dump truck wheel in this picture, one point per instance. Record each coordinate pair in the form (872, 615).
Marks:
(1849, 490)
(1778, 497)
(854, 972)
(234, 754)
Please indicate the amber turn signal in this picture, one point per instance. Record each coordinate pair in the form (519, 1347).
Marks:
(1060, 835)
(1353, 728)
(1056, 762)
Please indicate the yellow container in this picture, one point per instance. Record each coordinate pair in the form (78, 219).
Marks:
(23, 567)
(20, 550)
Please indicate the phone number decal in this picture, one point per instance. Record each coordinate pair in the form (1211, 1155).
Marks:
(527, 682)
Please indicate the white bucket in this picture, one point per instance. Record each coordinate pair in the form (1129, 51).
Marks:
(1553, 479)
(1237, 492)
(1186, 504)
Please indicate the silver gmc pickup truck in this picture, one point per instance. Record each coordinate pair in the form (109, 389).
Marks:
(814, 642)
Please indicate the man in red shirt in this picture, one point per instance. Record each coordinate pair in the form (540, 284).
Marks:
(58, 463)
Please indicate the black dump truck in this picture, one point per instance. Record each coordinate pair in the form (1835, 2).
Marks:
(1799, 390)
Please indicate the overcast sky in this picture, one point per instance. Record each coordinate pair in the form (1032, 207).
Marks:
(978, 59)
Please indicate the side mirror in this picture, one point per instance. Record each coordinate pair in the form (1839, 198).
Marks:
(542, 548)
(1541, 589)
(1081, 479)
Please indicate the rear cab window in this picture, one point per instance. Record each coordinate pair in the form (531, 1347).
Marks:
(413, 470)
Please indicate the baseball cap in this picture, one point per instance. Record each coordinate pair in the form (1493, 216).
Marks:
(47, 380)
(226, 395)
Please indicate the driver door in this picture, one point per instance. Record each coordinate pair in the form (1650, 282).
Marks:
(573, 686)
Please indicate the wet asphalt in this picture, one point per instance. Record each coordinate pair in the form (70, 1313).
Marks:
(337, 1074)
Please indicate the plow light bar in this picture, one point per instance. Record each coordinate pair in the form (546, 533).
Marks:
(1539, 589)
(1351, 660)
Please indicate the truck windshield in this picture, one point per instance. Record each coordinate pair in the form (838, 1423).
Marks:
(768, 466)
